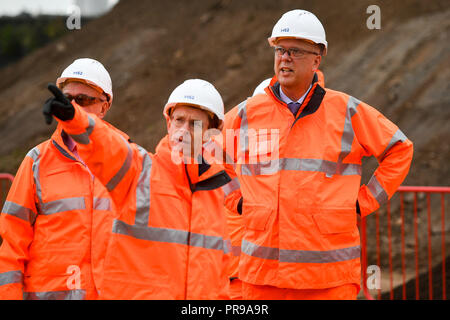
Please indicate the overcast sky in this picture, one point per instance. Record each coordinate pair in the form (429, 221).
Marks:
(34, 7)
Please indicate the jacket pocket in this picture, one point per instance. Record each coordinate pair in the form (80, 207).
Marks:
(256, 216)
(335, 220)
(166, 204)
(55, 262)
(65, 182)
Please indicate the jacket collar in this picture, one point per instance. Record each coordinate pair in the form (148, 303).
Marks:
(58, 142)
(311, 103)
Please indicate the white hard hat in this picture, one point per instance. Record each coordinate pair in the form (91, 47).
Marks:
(300, 24)
(90, 71)
(260, 88)
(197, 92)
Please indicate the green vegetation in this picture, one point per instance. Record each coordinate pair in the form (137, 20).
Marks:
(21, 34)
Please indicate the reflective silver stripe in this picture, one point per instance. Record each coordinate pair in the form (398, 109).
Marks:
(122, 171)
(306, 256)
(226, 246)
(35, 168)
(83, 138)
(258, 251)
(33, 153)
(300, 256)
(377, 191)
(61, 205)
(293, 164)
(170, 236)
(320, 165)
(10, 277)
(243, 131)
(236, 251)
(397, 137)
(262, 168)
(143, 190)
(343, 169)
(19, 211)
(150, 233)
(102, 204)
(231, 186)
(207, 242)
(56, 295)
(347, 136)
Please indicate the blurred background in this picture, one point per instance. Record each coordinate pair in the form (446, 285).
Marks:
(149, 47)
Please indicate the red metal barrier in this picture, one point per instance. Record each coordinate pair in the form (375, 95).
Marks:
(403, 220)
(6, 180)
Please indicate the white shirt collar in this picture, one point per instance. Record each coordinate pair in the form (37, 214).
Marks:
(287, 100)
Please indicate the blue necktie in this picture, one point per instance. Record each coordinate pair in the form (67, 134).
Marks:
(294, 106)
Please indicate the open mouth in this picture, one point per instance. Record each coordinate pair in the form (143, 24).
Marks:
(181, 138)
(182, 142)
(285, 70)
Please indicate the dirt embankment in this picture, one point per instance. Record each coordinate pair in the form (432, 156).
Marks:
(403, 69)
(149, 48)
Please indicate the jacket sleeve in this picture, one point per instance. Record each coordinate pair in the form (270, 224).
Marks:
(109, 156)
(234, 199)
(381, 138)
(214, 151)
(231, 131)
(232, 191)
(16, 229)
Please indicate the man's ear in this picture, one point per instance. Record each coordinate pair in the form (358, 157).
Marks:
(105, 107)
(168, 122)
(317, 61)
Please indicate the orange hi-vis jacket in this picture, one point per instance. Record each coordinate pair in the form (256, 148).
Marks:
(236, 228)
(54, 226)
(236, 231)
(170, 239)
(300, 181)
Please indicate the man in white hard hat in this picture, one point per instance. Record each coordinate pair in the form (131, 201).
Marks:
(170, 239)
(235, 221)
(195, 104)
(300, 204)
(57, 216)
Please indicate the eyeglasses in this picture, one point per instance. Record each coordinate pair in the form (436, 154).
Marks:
(83, 99)
(293, 52)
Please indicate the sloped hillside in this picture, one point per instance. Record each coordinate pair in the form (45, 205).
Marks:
(152, 46)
